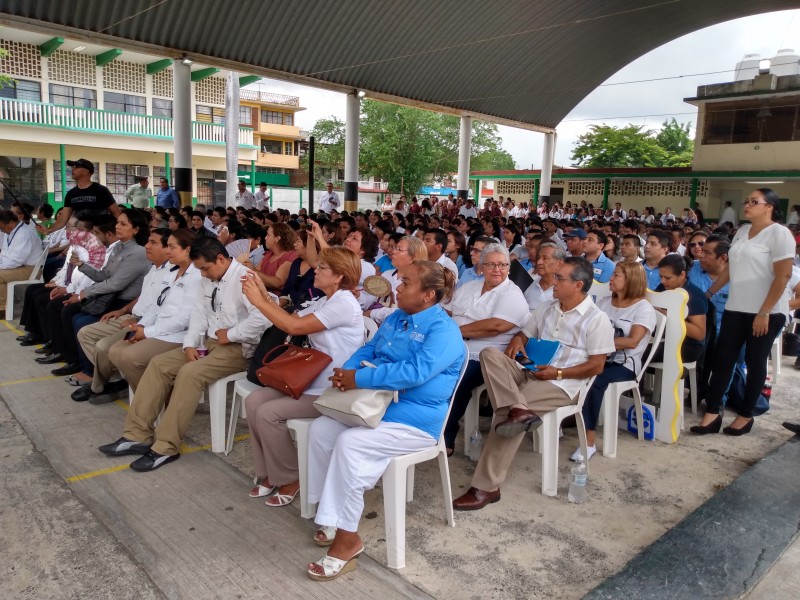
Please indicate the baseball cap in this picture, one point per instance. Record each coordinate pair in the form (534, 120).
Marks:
(577, 232)
(83, 163)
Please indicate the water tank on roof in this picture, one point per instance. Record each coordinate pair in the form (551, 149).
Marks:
(747, 68)
(785, 62)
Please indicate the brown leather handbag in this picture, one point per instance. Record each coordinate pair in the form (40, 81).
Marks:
(294, 370)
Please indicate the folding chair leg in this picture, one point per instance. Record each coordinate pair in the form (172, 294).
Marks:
(410, 472)
(549, 440)
(447, 492)
(394, 505)
(610, 418)
(637, 404)
(216, 408)
(236, 407)
(581, 439)
(471, 417)
(693, 389)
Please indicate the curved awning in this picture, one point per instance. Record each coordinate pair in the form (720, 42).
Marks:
(525, 63)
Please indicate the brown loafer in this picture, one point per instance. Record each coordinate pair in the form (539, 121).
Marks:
(475, 499)
(519, 420)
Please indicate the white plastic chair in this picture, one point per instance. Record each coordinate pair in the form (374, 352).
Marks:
(691, 370)
(398, 481)
(36, 276)
(775, 357)
(217, 404)
(241, 389)
(615, 390)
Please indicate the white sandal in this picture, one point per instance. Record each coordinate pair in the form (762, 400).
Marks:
(281, 499)
(260, 491)
(333, 567)
(328, 533)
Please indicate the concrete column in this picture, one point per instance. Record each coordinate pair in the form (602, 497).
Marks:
(182, 130)
(231, 137)
(547, 167)
(351, 140)
(464, 149)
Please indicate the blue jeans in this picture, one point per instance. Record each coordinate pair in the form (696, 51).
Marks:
(473, 377)
(612, 373)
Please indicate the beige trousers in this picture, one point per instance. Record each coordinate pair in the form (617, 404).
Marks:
(508, 385)
(170, 376)
(96, 340)
(274, 454)
(7, 276)
(132, 359)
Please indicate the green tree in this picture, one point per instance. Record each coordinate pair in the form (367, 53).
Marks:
(328, 148)
(675, 139)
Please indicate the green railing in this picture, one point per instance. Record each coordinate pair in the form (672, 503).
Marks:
(92, 120)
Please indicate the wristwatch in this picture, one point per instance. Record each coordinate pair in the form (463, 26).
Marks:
(559, 375)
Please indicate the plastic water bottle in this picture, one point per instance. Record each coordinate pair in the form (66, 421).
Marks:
(577, 486)
(202, 350)
(475, 445)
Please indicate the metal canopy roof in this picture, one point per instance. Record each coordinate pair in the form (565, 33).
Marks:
(525, 63)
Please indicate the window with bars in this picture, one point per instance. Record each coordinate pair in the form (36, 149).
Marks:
(245, 116)
(21, 90)
(120, 177)
(68, 95)
(210, 114)
(25, 177)
(288, 148)
(162, 108)
(124, 103)
(272, 116)
(58, 195)
(272, 146)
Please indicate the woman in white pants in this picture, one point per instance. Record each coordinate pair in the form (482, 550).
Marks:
(418, 352)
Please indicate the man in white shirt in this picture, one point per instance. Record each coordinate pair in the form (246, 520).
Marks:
(233, 327)
(619, 212)
(550, 259)
(435, 241)
(729, 215)
(667, 216)
(518, 395)
(244, 197)
(468, 210)
(21, 248)
(262, 196)
(329, 200)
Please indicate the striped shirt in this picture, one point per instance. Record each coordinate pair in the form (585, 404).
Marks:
(583, 331)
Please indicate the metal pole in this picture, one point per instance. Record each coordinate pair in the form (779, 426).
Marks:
(310, 176)
(464, 149)
(606, 192)
(166, 168)
(253, 176)
(351, 152)
(547, 167)
(63, 159)
(231, 137)
(182, 130)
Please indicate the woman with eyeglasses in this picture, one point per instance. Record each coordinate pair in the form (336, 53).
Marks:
(694, 248)
(489, 312)
(334, 325)
(165, 323)
(759, 267)
(407, 250)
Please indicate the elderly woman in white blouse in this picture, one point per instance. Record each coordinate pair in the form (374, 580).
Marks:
(489, 312)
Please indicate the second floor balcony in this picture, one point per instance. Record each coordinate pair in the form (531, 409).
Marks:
(95, 121)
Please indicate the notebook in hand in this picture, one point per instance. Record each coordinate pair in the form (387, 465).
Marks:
(540, 352)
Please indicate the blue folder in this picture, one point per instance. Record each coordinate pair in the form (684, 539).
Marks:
(540, 352)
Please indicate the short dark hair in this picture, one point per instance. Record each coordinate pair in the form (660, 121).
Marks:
(184, 237)
(772, 198)
(581, 271)
(208, 249)
(46, 210)
(163, 233)
(723, 244)
(6, 216)
(637, 241)
(664, 239)
(138, 219)
(439, 236)
(104, 222)
(369, 244)
(677, 263)
(602, 238)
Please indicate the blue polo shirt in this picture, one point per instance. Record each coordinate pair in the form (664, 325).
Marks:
(702, 280)
(653, 276)
(603, 268)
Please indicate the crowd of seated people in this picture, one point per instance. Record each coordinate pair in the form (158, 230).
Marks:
(165, 302)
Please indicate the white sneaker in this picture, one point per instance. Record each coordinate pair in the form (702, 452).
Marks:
(578, 457)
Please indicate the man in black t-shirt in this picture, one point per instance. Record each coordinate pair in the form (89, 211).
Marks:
(87, 197)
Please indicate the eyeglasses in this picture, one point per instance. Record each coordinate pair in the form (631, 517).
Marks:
(323, 267)
(493, 265)
(401, 250)
(562, 278)
(163, 296)
(213, 299)
(475, 250)
(753, 202)
(698, 244)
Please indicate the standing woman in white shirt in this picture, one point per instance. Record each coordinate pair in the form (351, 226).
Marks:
(759, 266)
(334, 325)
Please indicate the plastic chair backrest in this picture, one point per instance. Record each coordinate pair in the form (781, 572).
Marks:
(370, 328)
(38, 268)
(458, 383)
(599, 290)
(655, 341)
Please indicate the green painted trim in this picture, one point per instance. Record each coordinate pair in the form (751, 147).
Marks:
(101, 60)
(270, 197)
(693, 193)
(201, 74)
(166, 167)
(606, 191)
(158, 66)
(50, 46)
(50, 198)
(248, 79)
(665, 176)
(301, 197)
(62, 154)
(253, 176)
(536, 183)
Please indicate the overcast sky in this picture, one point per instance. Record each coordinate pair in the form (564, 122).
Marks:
(713, 49)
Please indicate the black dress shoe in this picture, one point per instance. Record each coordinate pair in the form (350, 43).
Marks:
(46, 349)
(793, 427)
(152, 461)
(712, 427)
(741, 430)
(49, 359)
(19, 338)
(124, 446)
(29, 340)
(111, 391)
(519, 420)
(69, 369)
(83, 393)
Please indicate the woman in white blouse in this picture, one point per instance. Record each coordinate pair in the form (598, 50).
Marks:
(334, 325)
(758, 268)
(634, 319)
(165, 323)
(407, 250)
(489, 312)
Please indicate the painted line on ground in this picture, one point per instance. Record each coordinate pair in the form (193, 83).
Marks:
(29, 380)
(109, 470)
(11, 327)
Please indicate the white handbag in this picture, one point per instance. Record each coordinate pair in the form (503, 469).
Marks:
(355, 408)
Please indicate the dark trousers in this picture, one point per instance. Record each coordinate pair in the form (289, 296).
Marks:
(29, 318)
(612, 373)
(50, 316)
(52, 265)
(737, 331)
(72, 319)
(473, 377)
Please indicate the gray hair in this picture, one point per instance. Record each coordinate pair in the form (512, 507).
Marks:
(493, 248)
(558, 251)
(581, 271)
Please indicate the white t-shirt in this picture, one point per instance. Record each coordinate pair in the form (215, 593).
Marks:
(342, 336)
(503, 302)
(448, 264)
(751, 267)
(535, 295)
(641, 313)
